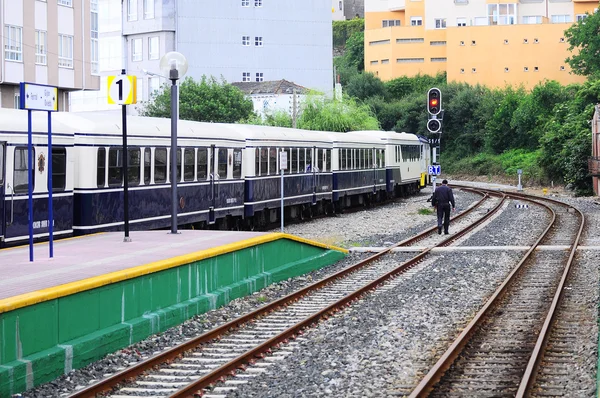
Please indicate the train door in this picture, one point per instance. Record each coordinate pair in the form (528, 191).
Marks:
(373, 163)
(212, 161)
(2, 190)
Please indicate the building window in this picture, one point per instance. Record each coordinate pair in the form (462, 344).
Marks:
(13, 43)
(245, 40)
(409, 60)
(136, 50)
(385, 61)
(245, 3)
(473, 70)
(153, 85)
(525, 41)
(65, 51)
(532, 19)
(390, 22)
(536, 41)
(505, 41)
(462, 43)
(506, 70)
(258, 41)
(259, 77)
(140, 89)
(439, 59)
(416, 21)
(461, 21)
(40, 47)
(462, 70)
(526, 69)
(153, 44)
(473, 43)
(148, 9)
(132, 6)
(341, 5)
(246, 76)
(480, 21)
(17, 101)
(68, 3)
(257, 3)
(440, 23)
(580, 17)
(502, 14)
(562, 67)
(561, 19)
(374, 62)
(94, 49)
(536, 69)
(561, 40)
(378, 42)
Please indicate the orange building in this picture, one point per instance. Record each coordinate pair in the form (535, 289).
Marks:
(493, 43)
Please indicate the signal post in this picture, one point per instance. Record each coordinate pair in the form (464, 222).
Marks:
(434, 125)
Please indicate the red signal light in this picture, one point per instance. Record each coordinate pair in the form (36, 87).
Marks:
(433, 102)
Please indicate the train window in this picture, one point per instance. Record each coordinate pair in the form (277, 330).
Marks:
(222, 169)
(202, 164)
(264, 161)
(294, 160)
(21, 179)
(59, 169)
(273, 161)
(133, 166)
(101, 170)
(342, 159)
(160, 165)
(115, 172)
(327, 160)
(319, 159)
(309, 160)
(301, 160)
(257, 162)
(188, 164)
(1, 164)
(147, 165)
(179, 150)
(237, 163)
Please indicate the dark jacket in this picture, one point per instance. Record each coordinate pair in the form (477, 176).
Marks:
(443, 195)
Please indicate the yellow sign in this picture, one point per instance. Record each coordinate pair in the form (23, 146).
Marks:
(122, 90)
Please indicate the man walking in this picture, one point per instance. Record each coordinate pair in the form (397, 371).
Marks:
(442, 199)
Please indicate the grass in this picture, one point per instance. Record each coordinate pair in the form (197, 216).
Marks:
(425, 212)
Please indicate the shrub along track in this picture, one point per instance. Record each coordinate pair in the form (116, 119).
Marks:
(502, 350)
(193, 366)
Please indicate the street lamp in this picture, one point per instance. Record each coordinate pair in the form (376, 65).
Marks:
(174, 65)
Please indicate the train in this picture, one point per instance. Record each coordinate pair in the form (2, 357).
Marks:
(228, 175)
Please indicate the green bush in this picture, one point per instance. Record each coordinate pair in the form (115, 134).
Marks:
(342, 30)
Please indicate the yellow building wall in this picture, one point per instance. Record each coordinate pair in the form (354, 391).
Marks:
(374, 21)
(497, 56)
(484, 62)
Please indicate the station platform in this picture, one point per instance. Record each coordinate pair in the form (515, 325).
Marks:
(99, 294)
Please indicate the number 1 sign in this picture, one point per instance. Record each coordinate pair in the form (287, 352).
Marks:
(122, 90)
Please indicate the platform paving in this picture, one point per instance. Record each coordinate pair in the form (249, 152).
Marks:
(94, 255)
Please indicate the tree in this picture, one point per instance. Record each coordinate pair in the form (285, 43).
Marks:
(365, 85)
(323, 114)
(584, 38)
(204, 101)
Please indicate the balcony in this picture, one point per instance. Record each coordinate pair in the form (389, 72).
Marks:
(397, 5)
(594, 166)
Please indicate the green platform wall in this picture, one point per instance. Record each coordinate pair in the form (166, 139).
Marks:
(41, 342)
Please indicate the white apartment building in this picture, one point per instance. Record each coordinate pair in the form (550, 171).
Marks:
(53, 42)
(240, 40)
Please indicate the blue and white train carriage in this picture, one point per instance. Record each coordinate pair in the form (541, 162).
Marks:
(14, 179)
(227, 174)
(209, 173)
(307, 175)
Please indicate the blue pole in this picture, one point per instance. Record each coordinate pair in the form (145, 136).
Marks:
(30, 184)
(50, 189)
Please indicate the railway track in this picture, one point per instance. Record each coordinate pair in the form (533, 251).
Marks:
(502, 350)
(190, 368)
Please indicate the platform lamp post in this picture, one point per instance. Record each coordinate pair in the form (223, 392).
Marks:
(174, 66)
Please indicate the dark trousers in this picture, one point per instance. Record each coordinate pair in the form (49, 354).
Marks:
(443, 213)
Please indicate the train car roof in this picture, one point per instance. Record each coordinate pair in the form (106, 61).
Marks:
(15, 120)
(109, 123)
(353, 137)
(389, 135)
(270, 133)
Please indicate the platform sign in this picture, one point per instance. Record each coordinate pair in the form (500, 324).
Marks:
(39, 97)
(434, 170)
(122, 90)
(283, 162)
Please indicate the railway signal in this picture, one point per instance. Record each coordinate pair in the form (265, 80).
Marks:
(434, 125)
(434, 101)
